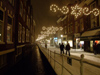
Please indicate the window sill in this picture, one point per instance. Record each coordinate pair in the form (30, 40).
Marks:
(9, 42)
(2, 42)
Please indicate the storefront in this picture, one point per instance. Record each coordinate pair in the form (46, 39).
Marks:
(77, 42)
(89, 37)
(70, 40)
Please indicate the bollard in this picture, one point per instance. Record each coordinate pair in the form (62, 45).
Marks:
(81, 64)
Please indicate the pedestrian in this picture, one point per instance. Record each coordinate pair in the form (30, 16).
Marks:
(98, 48)
(68, 49)
(62, 48)
(95, 48)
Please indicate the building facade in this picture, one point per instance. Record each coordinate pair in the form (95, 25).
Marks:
(16, 31)
(83, 31)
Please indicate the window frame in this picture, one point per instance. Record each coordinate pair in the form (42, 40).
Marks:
(10, 42)
(19, 32)
(23, 34)
(2, 40)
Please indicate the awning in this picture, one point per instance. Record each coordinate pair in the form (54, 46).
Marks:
(91, 33)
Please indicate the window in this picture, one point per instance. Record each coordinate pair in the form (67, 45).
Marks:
(29, 23)
(3, 60)
(76, 27)
(27, 35)
(23, 35)
(27, 20)
(19, 33)
(12, 2)
(1, 24)
(21, 8)
(92, 17)
(28, 9)
(9, 29)
(81, 25)
(24, 15)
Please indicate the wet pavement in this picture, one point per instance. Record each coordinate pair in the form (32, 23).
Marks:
(33, 64)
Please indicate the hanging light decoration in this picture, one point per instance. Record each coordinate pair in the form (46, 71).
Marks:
(76, 11)
(61, 28)
(55, 8)
(95, 11)
(44, 28)
(64, 10)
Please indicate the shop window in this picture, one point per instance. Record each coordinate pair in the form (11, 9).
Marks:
(21, 8)
(23, 35)
(9, 29)
(19, 33)
(1, 24)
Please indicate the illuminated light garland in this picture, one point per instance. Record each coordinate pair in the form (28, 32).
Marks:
(60, 28)
(44, 28)
(63, 10)
(95, 11)
(76, 10)
(54, 8)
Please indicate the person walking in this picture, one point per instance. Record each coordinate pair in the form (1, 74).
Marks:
(68, 49)
(95, 48)
(62, 48)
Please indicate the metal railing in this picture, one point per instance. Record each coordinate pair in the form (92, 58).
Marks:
(64, 66)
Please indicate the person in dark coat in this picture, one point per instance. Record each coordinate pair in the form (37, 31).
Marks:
(95, 48)
(68, 49)
(98, 48)
(62, 48)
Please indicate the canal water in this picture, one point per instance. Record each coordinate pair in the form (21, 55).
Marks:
(33, 64)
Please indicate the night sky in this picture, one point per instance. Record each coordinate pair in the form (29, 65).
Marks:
(42, 14)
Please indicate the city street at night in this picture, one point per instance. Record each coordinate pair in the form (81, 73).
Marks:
(49, 37)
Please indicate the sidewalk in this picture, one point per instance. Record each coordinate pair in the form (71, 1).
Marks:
(78, 52)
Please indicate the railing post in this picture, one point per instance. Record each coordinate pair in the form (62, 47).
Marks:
(62, 65)
(81, 64)
(54, 59)
(50, 57)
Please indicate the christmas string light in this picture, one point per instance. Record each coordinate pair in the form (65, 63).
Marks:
(76, 10)
(63, 10)
(86, 11)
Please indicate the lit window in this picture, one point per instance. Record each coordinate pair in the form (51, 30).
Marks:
(1, 24)
(19, 33)
(9, 29)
